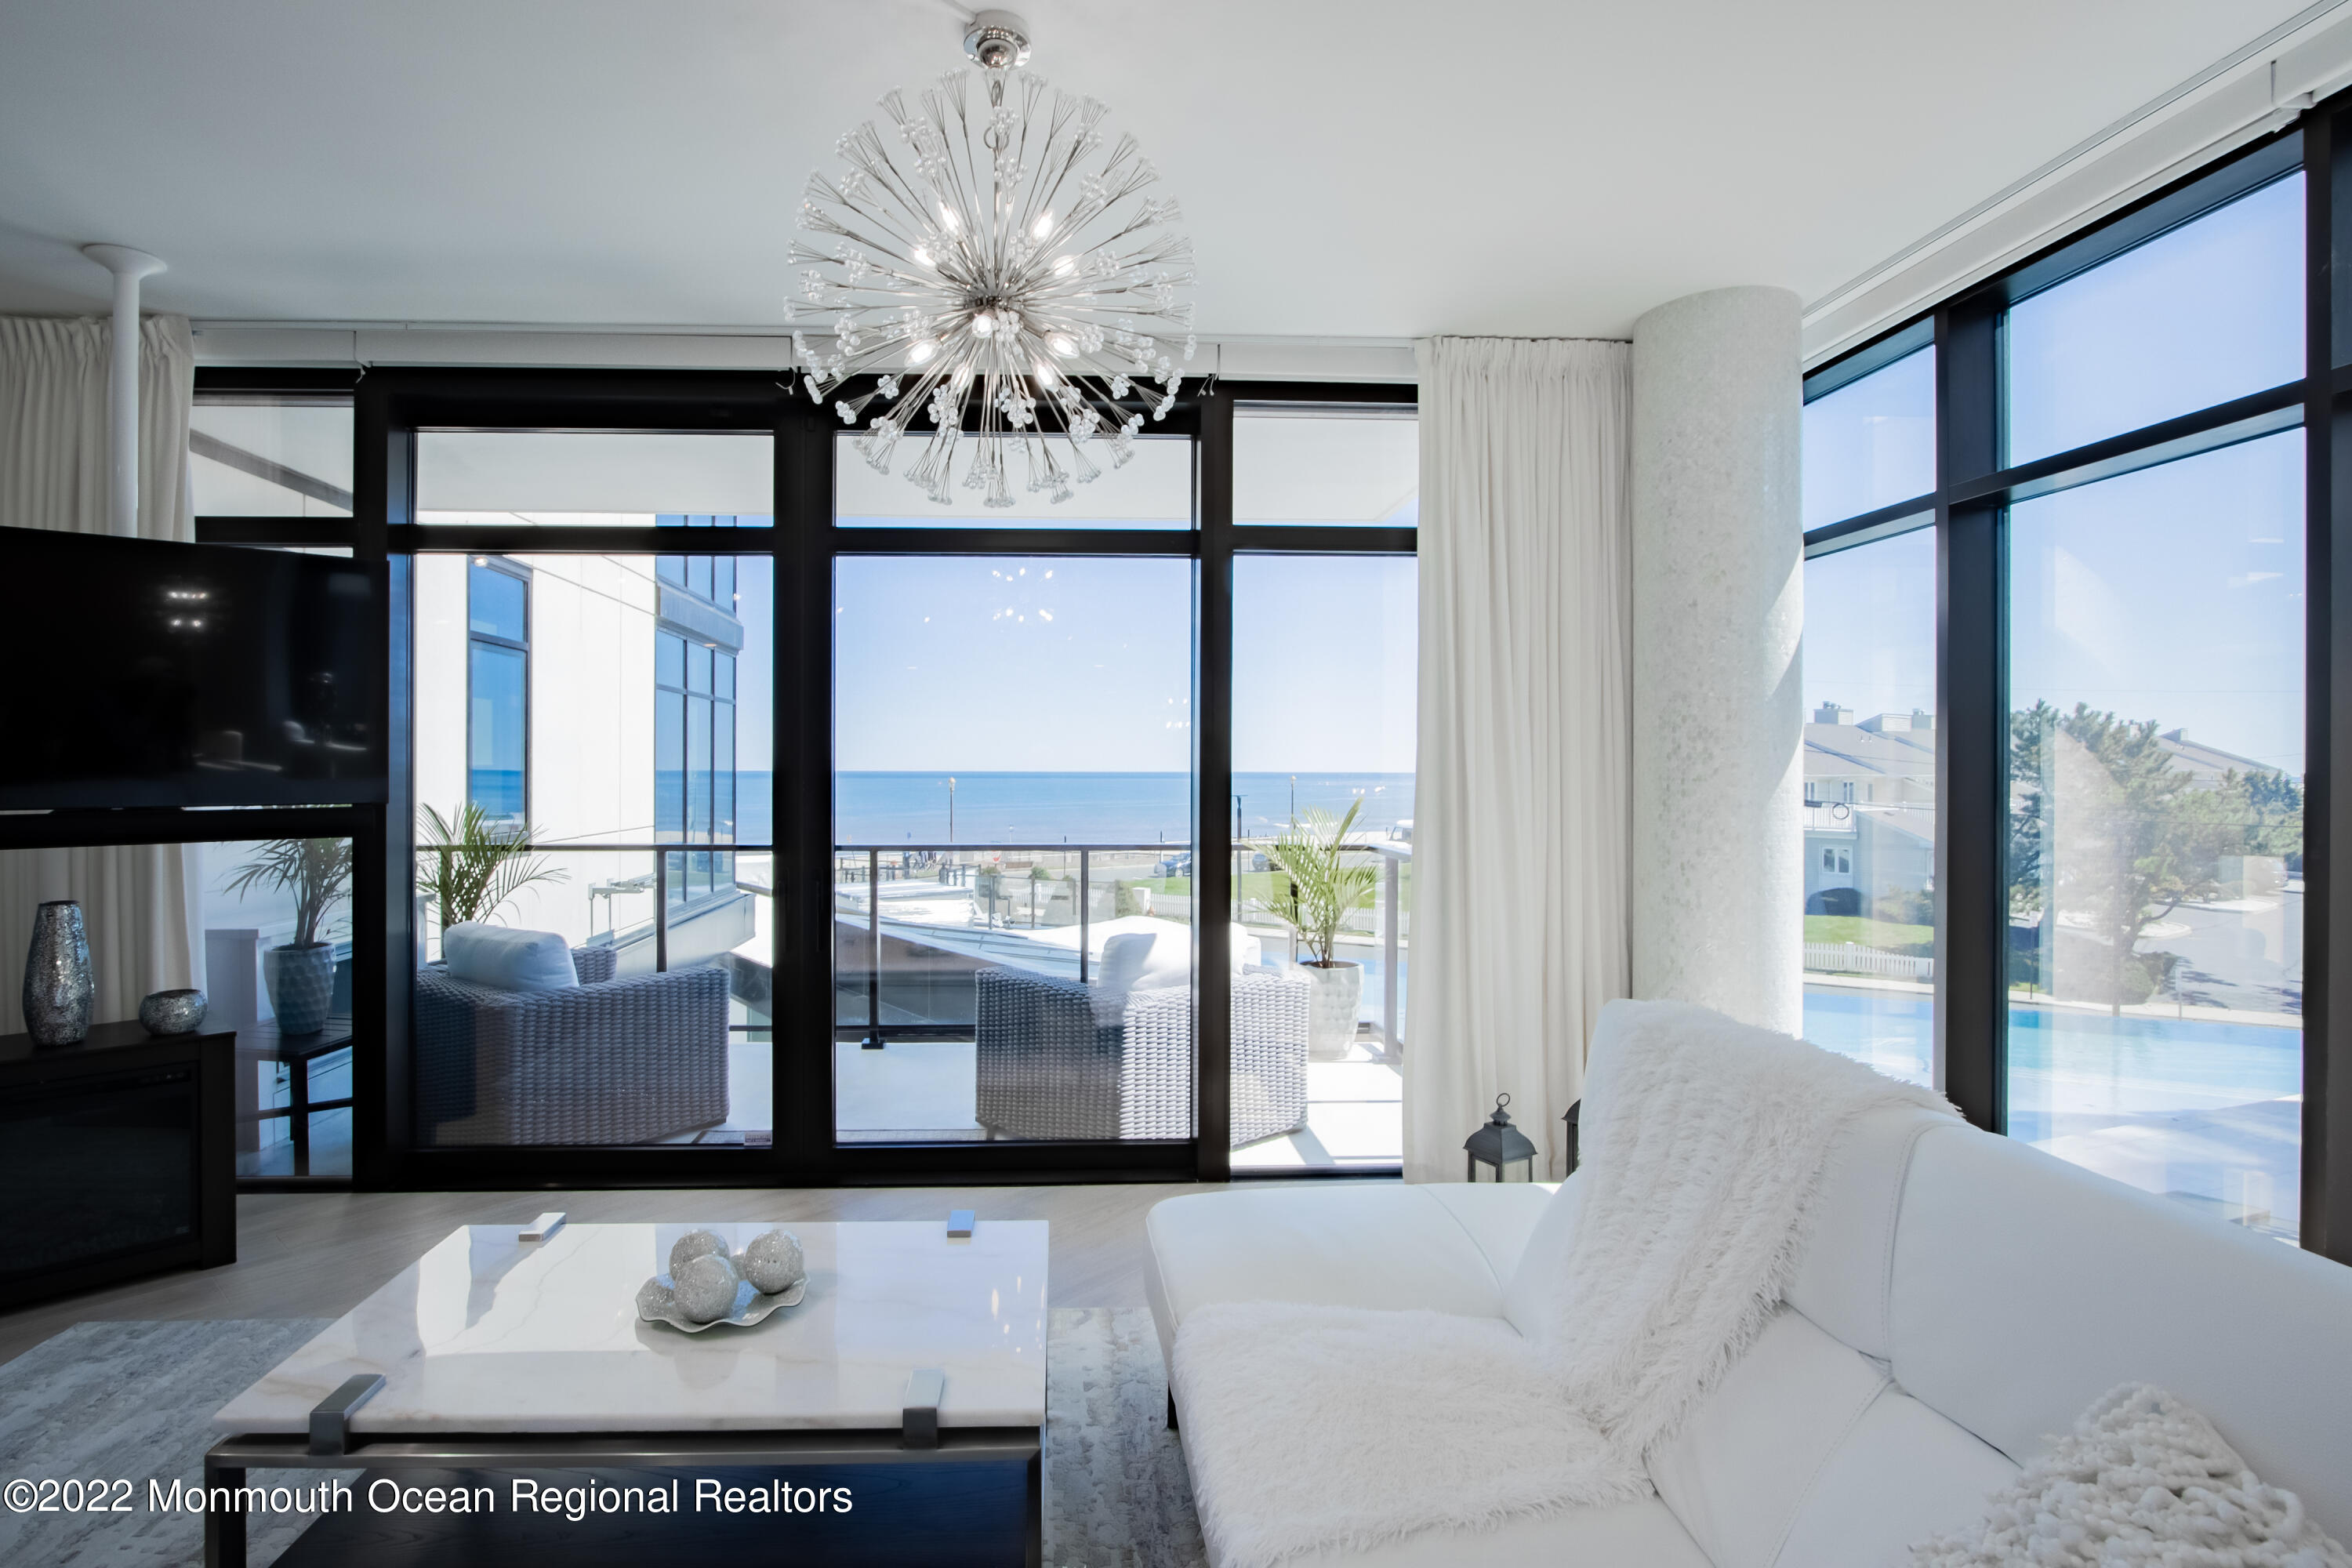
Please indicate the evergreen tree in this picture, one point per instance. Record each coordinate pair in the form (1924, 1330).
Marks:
(2108, 835)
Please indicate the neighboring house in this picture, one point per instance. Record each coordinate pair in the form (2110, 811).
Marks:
(1869, 805)
(1870, 810)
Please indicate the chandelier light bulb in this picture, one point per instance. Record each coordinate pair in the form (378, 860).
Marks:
(927, 256)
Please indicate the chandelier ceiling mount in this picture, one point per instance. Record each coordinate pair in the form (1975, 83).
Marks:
(998, 40)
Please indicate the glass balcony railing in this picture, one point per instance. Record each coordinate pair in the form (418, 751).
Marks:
(913, 923)
(1376, 936)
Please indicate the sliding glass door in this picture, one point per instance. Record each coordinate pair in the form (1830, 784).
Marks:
(590, 758)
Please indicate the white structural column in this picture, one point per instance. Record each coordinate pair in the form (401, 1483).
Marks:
(1718, 606)
(129, 266)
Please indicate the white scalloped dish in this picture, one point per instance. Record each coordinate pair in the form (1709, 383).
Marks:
(658, 1303)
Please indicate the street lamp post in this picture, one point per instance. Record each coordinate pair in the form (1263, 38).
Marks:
(950, 810)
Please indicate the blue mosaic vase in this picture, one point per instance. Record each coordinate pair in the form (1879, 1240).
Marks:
(58, 984)
(301, 981)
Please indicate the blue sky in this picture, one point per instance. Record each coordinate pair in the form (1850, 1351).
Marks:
(1061, 665)
(2174, 593)
(1034, 664)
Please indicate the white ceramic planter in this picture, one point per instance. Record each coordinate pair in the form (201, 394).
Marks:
(1331, 1008)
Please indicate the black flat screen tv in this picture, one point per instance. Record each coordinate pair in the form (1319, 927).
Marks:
(138, 673)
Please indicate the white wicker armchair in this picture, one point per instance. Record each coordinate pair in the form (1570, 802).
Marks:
(608, 1061)
(1059, 1059)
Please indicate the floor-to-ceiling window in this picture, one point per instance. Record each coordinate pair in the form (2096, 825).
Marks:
(1325, 666)
(2156, 710)
(2056, 603)
(1018, 724)
(1869, 755)
(1014, 796)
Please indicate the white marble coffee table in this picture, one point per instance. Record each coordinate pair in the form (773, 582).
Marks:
(501, 1354)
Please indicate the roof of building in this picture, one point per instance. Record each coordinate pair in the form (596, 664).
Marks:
(1861, 750)
(1849, 751)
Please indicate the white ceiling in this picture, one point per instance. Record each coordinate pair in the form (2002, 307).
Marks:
(1360, 169)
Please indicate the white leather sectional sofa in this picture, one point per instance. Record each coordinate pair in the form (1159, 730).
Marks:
(1963, 1296)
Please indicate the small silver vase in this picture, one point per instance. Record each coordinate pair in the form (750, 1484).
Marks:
(57, 983)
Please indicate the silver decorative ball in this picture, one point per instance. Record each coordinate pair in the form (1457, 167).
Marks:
(706, 1287)
(694, 1244)
(173, 1012)
(772, 1262)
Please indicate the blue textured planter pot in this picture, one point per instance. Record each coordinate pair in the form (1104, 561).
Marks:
(301, 981)
(57, 983)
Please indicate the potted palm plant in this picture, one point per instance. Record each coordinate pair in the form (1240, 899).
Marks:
(471, 868)
(1325, 888)
(300, 974)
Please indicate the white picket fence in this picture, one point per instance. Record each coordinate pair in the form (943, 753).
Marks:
(1852, 958)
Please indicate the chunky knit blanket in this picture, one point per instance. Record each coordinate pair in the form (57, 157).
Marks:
(1309, 1428)
(2141, 1479)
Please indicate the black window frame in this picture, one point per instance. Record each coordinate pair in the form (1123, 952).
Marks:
(393, 406)
(1969, 510)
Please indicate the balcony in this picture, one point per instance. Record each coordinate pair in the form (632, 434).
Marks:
(915, 926)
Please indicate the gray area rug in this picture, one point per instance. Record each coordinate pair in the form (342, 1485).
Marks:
(134, 1400)
(1116, 1492)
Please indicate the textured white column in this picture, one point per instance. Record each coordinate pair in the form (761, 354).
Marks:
(1718, 605)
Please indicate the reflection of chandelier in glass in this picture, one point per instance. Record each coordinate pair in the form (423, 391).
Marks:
(1001, 256)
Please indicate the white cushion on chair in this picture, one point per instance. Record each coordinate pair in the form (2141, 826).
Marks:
(508, 960)
(1147, 960)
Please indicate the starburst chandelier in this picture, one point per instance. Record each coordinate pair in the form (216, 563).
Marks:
(999, 265)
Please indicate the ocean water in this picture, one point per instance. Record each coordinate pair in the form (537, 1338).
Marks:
(890, 808)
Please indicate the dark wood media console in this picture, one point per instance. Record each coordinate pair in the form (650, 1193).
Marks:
(118, 1158)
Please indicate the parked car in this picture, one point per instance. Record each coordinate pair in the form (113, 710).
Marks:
(1176, 865)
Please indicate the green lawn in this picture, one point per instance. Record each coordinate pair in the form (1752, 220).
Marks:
(1867, 932)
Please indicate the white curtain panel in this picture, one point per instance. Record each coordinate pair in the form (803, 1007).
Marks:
(53, 457)
(139, 904)
(1521, 809)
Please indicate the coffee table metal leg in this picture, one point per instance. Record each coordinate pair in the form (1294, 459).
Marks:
(224, 1526)
(1033, 1551)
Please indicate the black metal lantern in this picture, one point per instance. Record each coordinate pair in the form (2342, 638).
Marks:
(1573, 1116)
(1498, 1144)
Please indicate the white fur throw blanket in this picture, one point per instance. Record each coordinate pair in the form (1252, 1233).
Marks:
(1309, 1428)
(2141, 1479)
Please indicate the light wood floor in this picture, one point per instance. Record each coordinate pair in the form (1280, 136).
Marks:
(317, 1255)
